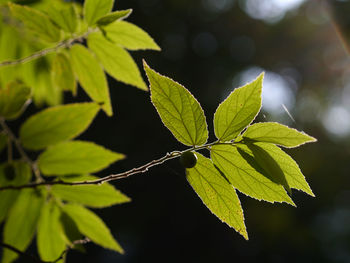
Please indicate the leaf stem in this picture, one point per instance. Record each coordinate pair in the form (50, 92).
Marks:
(141, 169)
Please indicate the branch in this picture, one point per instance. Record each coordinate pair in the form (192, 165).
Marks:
(71, 246)
(28, 256)
(63, 44)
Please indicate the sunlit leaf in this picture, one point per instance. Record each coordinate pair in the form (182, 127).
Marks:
(50, 237)
(110, 18)
(96, 196)
(129, 36)
(66, 18)
(276, 133)
(217, 194)
(116, 61)
(91, 76)
(76, 157)
(179, 110)
(95, 9)
(62, 73)
(92, 226)
(56, 124)
(238, 110)
(21, 223)
(246, 175)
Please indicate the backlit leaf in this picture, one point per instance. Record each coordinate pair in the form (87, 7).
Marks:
(217, 194)
(57, 124)
(62, 74)
(65, 17)
(238, 110)
(76, 157)
(110, 18)
(179, 110)
(95, 9)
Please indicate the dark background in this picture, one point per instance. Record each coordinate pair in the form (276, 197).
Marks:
(211, 47)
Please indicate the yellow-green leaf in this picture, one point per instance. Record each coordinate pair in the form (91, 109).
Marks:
(217, 194)
(62, 75)
(96, 196)
(76, 157)
(116, 61)
(179, 110)
(129, 36)
(276, 133)
(246, 175)
(92, 226)
(57, 124)
(91, 76)
(110, 18)
(95, 9)
(65, 17)
(238, 110)
(50, 235)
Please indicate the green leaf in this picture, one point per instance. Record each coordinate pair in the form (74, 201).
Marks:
(21, 223)
(179, 110)
(292, 173)
(13, 99)
(96, 196)
(217, 194)
(95, 9)
(91, 76)
(276, 133)
(66, 18)
(3, 141)
(36, 21)
(117, 61)
(92, 226)
(56, 124)
(62, 75)
(76, 157)
(238, 110)
(50, 236)
(71, 231)
(129, 36)
(110, 18)
(246, 175)
(8, 197)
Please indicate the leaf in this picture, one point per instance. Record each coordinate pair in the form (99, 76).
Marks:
(76, 157)
(129, 36)
(92, 226)
(21, 223)
(117, 62)
(36, 21)
(22, 176)
(96, 196)
(56, 124)
(292, 173)
(179, 110)
(110, 18)
(62, 75)
(50, 237)
(3, 141)
(13, 99)
(91, 76)
(66, 18)
(246, 175)
(276, 133)
(71, 231)
(238, 110)
(217, 194)
(95, 9)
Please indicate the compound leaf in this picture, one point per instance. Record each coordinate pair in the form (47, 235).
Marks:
(76, 157)
(116, 61)
(91, 76)
(96, 196)
(92, 226)
(276, 133)
(246, 175)
(129, 36)
(21, 223)
(95, 9)
(238, 110)
(57, 124)
(179, 110)
(50, 237)
(217, 194)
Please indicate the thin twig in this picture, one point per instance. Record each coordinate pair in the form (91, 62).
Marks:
(19, 252)
(71, 246)
(141, 169)
(44, 52)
